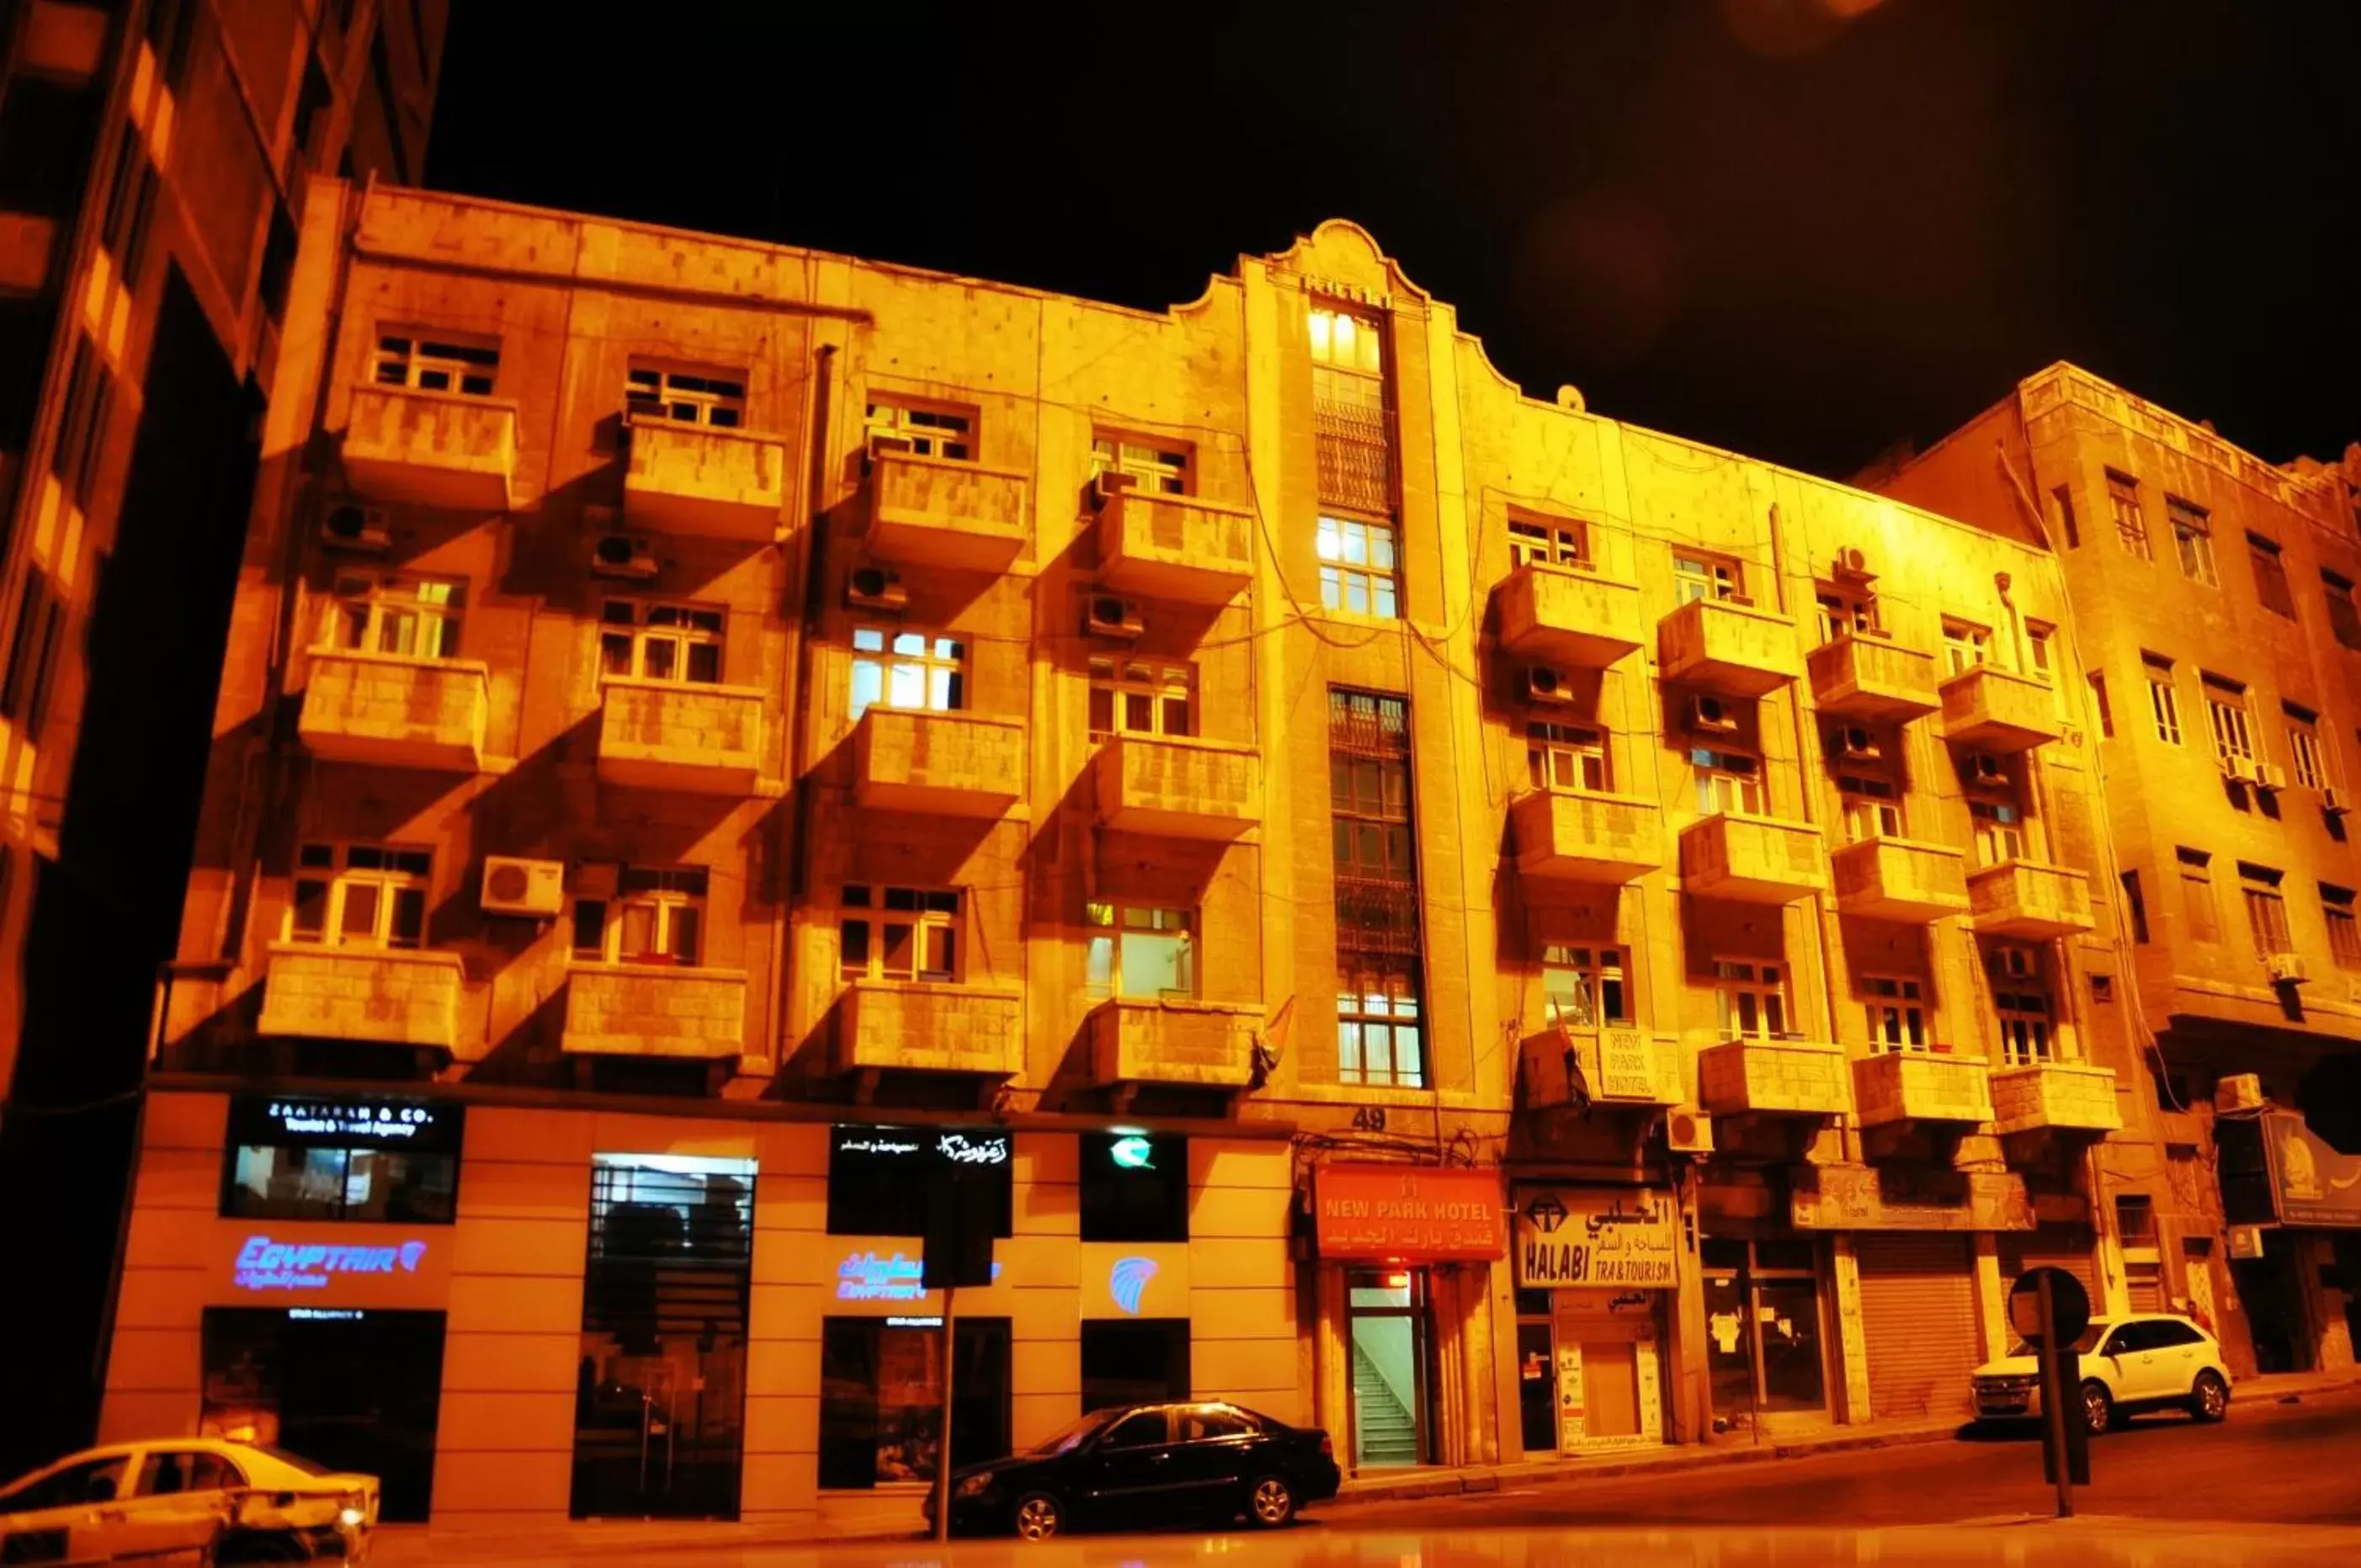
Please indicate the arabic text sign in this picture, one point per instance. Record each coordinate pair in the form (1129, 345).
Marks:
(1612, 1237)
(1407, 1213)
(2317, 1186)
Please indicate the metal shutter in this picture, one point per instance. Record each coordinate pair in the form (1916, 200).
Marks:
(1918, 1316)
(2052, 1246)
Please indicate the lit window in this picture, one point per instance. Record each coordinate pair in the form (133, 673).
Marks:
(1583, 988)
(898, 933)
(2344, 932)
(1750, 999)
(359, 896)
(676, 642)
(920, 430)
(1379, 1037)
(656, 917)
(1897, 1013)
(1157, 469)
(1139, 952)
(2193, 536)
(1696, 577)
(1551, 542)
(2123, 502)
(2164, 705)
(1566, 756)
(1353, 440)
(407, 617)
(2271, 585)
(1360, 572)
(437, 364)
(1965, 646)
(1134, 698)
(685, 395)
(1726, 782)
(900, 667)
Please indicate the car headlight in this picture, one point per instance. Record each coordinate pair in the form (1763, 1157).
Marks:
(974, 1486)
(350, 1517)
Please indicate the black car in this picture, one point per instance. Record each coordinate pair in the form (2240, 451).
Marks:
(1143, 1466)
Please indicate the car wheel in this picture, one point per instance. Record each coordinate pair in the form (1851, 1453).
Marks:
(2098, 1409)
(2210, 1399)
(1270, 1503)
(1038, 1516)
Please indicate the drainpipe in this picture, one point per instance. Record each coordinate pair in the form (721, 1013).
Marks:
(795, 816)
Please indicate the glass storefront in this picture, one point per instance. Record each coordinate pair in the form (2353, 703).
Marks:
(881, 1414)
(1391, 1331)
(1764, 1356)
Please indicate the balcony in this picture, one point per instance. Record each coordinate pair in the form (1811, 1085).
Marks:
(1552, 615)
(1899, 879)
(2020, 898)
(694, 478)
(929, 1029)
(1872, 679)
(655, 1010)
(932, 511)
(1205, 1045)
(946, 764)
(1618, 1067)
(1921, 1086)
(396, 713)
(1753, 859)
(1727, 647)
(671, 735)
(1569, 837)
(380, 995)
(1775, 1078)
(1178, 789)
(2060, 1097)
(436, 449)
(1174, 547)
(1989, 709)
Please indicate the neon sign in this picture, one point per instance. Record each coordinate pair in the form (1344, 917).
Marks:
(1127, 1281)
(865, 1277)
(264, 1265)
(960, 1149)
(1133, 1153)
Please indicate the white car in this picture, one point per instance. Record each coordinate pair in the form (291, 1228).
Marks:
(186, 1500)
(2142, 1361)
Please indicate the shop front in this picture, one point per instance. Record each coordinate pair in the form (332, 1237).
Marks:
(1595, 1269)
(2290, 1199)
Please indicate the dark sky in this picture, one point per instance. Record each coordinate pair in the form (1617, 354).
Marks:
(1753, 221)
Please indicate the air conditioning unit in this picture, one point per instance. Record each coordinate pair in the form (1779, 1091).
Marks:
(2238, 1092)
(2236, 767)
(621, 556)
(357, 527)
(1688, 1130)
(879, 445)
(2269, 777)
(514, 886)
(1107, 481)
(1103, 615)
(1712, 714)
(876, 587)
(1983, 768)
(1545, 684)
(1854, 741)
(2285, 969)
(2332, 801)
(1852, 564)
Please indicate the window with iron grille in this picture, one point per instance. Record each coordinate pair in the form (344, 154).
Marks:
(436, 362)
(1351, 428)
(2123, 501)
(2270, 576)
(686, 394)
(1380, 1023)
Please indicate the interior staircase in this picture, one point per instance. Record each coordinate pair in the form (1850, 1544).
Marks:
(1385, 1432)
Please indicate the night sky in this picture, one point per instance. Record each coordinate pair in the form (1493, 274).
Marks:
(1803, 229)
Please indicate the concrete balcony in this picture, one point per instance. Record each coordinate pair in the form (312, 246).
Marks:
(695, 478)
(1899, 878)
(1874, 679)
(700, 739)
(1618, 1067)
(1989, 709)
(2057, 1097)
(655, 1010)
(1553, 615)
(436, 449)
(2020, 898)
(1203, 1045)
(380, 995)
(1174, 547)
(1727, 647)
(1570, 837)
(1178, 789)
(1753, 859)
(945, 765)
(929, 1029)
(1921, 1086)
(929, 511)
(396, 713)
(1775, 1078)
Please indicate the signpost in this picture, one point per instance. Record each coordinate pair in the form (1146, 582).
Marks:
(2049, 1309)
(960, 1222)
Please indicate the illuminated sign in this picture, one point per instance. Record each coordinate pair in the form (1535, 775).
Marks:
(883, 1277)
(1408, 1214)
(963, 1148)
(1133, 1153)
(1128, 1279)
(276, 1120)
(1613, 1237)
(264, 1265)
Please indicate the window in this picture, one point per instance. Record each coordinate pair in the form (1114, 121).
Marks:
(2163, 704)
(685, 395)
(898, 933)
(2193, 536)
(2270, 576)
(1845, 614)
(1965, 646)
(2135, 906)
(1751, 999)
(2266, 910)
(1378, 1032)
(2099, 705)
(1138, 952)
(2124, 503)
(878, 1177)
(1872, 806)
(2343, 935)
(383, 612)
(2064, 497)
(406, 356)
(881, 1398)
(278, 266)
(2197, 895)
(32, 655)
(2344, 617)
(2226, 711)
(924, 432)
(1697, 576)
(1137, 697)
(894, 667)
(1999, 827)
(1150, 466)
(656, 917)
(173, 1470)
(82, 423)
(1548, 541)
(1566, 756)
(1368, 787)
(376, 1161)
(1897, 1013)
(675, 643)
(1360, 573)
(2303, 746)
(2020, 998)
(131, 203)
(1135, 1187)
(1128, 1361)
(2037, 649)
(1726, 782)
(1213, 1423)
(1583, 987)
(1354, 443)
(1148, 1429)
(92, 1482)
(359, 896)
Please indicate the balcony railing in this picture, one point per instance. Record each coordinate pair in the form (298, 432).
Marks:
(1727, 647)
(1775, 1078)
(1174, 547)
(929, 1029)
(655, 1010)
(2063, 1097)
(1921, 1086)
(1897, 878)
(1377, 915)
(396, 713)
(1207, 1044)
(701, 479)
(1573, 837)
(1178, 789)
(1753, 859)
(950, 764)
(1556, 616)
(933, 512)
(1990, 709)
(2025, 900)
(380, 995)
(438, 449)
(1874, 679)
(704, 740)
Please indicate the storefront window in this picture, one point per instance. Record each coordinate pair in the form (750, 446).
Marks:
(303, 1160)
(1763, 1329)
(1135, 1187)
(881, 1411)
(878, 1177)
(1132, 1361)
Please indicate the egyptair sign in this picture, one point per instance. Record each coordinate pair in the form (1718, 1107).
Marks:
(1614, 1237)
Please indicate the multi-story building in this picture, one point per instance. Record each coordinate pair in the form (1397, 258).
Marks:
(1447, 916)
(153, 156)
(2213, 595)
